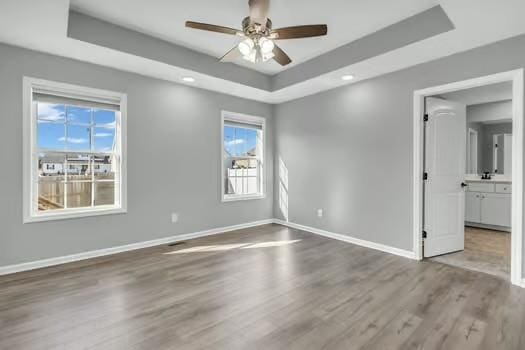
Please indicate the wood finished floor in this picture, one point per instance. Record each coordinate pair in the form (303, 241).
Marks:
(485, 251)
(268, 287)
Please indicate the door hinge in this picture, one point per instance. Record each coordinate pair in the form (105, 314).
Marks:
(424, 234)
(425, 176)
(425, 117)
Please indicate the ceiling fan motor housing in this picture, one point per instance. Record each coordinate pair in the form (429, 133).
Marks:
(254, 29)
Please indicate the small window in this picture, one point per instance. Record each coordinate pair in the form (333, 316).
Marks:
(243, 157)
(74, 151)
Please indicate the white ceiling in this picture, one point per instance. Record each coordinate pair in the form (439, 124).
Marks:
(482, 94)
(346, 20)
(42, 26)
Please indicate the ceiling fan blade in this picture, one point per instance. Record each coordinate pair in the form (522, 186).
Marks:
(231, 55)
(280, 56)
(212, 28)
(298, 32)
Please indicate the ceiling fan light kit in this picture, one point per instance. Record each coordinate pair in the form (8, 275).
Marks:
(266, 45)
(258, 50)
(258, 36)
(246, 46)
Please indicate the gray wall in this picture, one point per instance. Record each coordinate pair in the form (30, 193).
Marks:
(349, 150)
(501, 110)
(172, 128)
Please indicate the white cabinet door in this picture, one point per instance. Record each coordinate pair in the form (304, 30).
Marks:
(496, 209)
(473, 207)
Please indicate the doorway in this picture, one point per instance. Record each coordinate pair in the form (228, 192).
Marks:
(439, 205)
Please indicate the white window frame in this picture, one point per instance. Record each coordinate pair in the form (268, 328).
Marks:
(30, 168)
(246, 119)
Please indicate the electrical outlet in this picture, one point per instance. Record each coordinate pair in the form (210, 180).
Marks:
(174, 217)
(319, 213)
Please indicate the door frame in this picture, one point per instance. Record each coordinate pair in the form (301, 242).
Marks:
(516, 77)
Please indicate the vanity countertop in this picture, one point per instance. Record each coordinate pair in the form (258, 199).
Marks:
(496, 180)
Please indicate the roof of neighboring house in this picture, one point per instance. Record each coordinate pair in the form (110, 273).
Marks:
(250, 153)
(57, 159)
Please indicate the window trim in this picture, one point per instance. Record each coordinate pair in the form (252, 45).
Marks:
(247, 119)
(29, 147)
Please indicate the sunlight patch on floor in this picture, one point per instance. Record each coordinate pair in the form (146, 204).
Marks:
(270, 244)
(225, 247)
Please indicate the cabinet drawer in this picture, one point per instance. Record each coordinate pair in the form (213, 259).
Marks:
(503, 188)
(480, 187)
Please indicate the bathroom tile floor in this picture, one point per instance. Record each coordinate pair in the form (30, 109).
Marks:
(485, 251)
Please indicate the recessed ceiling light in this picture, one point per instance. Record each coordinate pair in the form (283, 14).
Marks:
(347, 77)
(188, 79)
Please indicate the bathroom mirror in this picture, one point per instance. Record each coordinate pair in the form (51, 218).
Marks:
(489, 148)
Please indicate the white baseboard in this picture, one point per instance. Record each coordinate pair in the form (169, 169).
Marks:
(4, 270)
(384, 248)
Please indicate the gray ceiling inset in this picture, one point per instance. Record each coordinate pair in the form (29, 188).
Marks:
(416, 28)
(347, 20)
(94, 31)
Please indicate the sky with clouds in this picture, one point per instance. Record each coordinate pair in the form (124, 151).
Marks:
(53, 124)
(238, 141)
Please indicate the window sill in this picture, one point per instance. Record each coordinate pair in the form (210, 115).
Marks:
(243, 198)
(73, 214)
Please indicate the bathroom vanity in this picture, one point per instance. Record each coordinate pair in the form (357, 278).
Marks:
(488, 203)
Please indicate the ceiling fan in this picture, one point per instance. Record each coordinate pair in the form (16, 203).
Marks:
(259, 36)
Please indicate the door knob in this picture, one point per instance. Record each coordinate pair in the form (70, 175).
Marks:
(464, 184)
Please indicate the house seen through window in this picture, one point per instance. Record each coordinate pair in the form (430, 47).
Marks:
(76, 155)
(243, 158)
(77, 158)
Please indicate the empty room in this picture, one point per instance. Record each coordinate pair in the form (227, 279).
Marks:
(262, 174)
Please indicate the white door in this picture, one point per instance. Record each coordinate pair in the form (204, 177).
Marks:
(445, 143)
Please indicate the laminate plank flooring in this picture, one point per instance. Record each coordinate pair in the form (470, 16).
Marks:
(269, 287)
(485, 251)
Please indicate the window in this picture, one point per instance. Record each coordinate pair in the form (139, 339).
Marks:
(74, 151)
(242, 154)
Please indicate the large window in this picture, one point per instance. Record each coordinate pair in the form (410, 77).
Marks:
(74, 151)
(242, 153)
